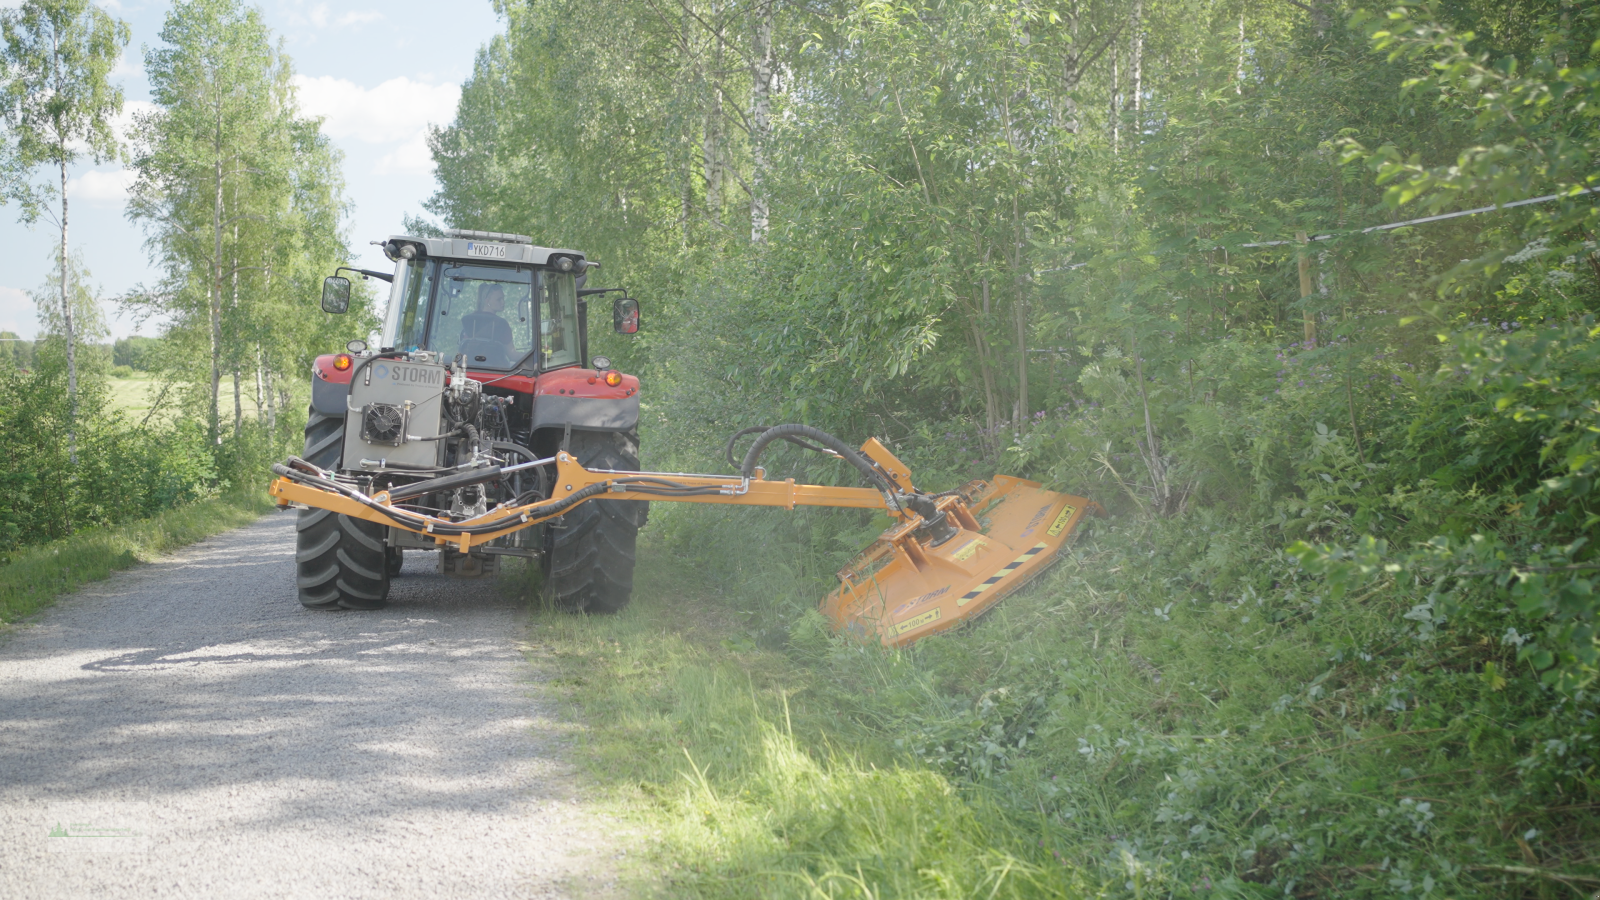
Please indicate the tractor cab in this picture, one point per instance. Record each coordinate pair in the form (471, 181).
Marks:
(495, 300)
(513, 316)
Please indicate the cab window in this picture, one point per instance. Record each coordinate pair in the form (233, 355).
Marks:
(558, 319)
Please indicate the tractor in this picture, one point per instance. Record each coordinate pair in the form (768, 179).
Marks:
(481, 428)
(484, 354)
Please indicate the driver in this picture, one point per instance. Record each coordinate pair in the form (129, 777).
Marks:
(486, 324)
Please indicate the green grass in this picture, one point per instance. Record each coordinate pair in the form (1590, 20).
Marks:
(722, 750)
(1119, 729)
(133, 395)
(32, 577)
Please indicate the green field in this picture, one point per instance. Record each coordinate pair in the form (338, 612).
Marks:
(135, 395)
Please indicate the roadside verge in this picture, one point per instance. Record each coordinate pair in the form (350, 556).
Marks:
(31, 578)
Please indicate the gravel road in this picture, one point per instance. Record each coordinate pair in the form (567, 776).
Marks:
(196, 733)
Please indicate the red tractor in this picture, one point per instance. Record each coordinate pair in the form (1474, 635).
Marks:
(483, 360)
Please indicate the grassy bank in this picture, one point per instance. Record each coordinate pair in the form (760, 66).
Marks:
(1122, 728)
(31, 578)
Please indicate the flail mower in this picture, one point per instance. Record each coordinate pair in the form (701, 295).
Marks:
(482, 428)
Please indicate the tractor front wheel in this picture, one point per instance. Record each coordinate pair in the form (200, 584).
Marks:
(589, 552)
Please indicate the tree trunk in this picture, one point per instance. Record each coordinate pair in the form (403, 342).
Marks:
(66, 318)
(760, 113)
(1136, 66)
(991, 399)
(272, 406)
(233, 308)
(1305, 289)
(213, 425)
(711, 141)
(1114, 112)
(1238, 84)
(1019, 311)
(1152, 448)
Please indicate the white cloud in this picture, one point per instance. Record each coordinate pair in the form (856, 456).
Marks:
(319, 15)
(101, 188)
(124, 124)
(17, 312)
(411, 158)
(359, 17)
(397, 110)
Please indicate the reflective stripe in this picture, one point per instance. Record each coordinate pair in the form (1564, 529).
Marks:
(997, 577)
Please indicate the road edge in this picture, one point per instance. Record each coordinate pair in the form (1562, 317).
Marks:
(32, 578)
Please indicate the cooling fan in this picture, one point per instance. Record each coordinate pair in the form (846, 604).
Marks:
(383, 423)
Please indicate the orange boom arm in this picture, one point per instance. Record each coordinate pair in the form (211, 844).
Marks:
(920, 577)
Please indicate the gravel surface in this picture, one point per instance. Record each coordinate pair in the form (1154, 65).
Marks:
(196, 733)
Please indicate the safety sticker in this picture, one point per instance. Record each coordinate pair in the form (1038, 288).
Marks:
(996, 578)
(969, 548)
(1061, 520)
(917, 621)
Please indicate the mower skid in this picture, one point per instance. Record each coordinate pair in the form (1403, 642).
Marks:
(901, 588)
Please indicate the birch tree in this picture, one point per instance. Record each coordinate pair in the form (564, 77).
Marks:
(203, 156)
(58, 105)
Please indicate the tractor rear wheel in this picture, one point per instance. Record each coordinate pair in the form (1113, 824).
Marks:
(324, 439)
(588, 563)
(340, 562)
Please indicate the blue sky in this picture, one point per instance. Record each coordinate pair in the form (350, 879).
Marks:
(379, 74)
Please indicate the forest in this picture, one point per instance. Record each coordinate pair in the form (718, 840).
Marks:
(1335, 635)
(1302, 293)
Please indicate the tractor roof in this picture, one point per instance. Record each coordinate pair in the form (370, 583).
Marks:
(463, 244)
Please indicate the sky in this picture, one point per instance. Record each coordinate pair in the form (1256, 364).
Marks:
(376, 73)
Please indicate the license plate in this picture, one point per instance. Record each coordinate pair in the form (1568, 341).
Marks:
(494, 251)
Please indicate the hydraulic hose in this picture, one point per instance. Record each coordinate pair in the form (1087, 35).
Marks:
(418, 523)
(757, 429)
(829, 442)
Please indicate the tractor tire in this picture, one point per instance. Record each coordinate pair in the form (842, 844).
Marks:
(396, 561)
(588, 562)
(340, 562)
(324, 439)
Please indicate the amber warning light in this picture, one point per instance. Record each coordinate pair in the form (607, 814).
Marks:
(613, 378)
(342, 362)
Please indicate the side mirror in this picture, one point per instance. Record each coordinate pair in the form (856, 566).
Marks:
(625, 315)
(336, 295)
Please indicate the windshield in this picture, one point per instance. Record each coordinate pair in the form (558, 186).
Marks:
(482, 312)
(490, 314)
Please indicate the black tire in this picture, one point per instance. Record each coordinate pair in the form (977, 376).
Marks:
(340, 562)
(396, 561)
(590, 553)
(324, 439)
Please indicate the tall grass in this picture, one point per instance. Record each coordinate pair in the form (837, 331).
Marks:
(721, 748)
(1121, 728)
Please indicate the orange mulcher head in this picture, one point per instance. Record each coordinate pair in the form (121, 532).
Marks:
(904, 587)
